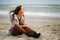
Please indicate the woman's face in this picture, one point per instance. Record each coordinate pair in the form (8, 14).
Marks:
(21, 12)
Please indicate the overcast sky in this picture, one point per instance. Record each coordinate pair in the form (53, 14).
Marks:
(29, 1)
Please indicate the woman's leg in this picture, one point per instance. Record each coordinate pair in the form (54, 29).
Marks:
(29, 30)
(16, 31)
(31, 33)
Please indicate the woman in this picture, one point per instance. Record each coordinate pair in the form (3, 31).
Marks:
(18, 24)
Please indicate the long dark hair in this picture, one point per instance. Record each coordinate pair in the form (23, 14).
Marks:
(16, 11)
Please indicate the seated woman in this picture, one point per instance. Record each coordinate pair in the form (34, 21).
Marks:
(18, 25)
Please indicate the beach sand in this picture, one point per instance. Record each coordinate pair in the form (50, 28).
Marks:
(49, 29)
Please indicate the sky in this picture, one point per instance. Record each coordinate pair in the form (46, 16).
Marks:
(29, 1)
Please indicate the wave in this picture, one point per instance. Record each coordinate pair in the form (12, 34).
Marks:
(34, 10)
(35, 14)
(40, 6)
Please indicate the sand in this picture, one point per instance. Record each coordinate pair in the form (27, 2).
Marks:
(49, 29)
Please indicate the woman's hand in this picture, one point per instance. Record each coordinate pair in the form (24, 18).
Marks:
(23, 25)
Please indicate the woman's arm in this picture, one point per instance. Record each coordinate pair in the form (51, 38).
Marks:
(24, 22)
(20, 28)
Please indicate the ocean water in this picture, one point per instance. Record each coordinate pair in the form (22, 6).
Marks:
(41, 10)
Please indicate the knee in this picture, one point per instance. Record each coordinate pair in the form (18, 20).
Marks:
(27, 27)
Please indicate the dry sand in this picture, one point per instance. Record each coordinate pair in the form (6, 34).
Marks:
(49, 29)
